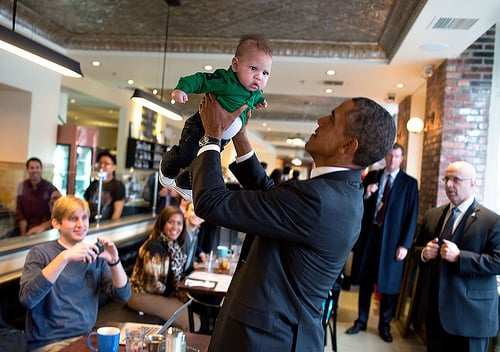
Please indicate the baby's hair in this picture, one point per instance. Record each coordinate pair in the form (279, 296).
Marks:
(250, 41)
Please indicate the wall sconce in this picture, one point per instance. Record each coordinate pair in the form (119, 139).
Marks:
(415, 125)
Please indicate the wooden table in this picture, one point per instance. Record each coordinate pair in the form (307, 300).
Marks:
(196, 341)
(207, 291)
(206, 283)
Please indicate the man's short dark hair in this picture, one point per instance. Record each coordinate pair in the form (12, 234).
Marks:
(34, 159)
(399, 146)
(373, 127)
(108, 154)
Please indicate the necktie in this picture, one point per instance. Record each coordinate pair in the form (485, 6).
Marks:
(448, 227)
(379, 218)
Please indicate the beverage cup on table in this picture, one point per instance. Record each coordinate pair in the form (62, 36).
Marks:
(134, 339)
(209, 266)
(223, 251)
(108, 338)
(224, 263)
(155, 343)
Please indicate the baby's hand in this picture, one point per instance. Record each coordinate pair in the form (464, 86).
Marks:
(262, 105)
(179, 96)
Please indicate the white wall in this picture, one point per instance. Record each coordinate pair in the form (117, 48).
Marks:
(491, 198)
(36, 130)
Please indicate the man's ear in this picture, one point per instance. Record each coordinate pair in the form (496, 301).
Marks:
(55, 224)
(234, 64)
(350, 145)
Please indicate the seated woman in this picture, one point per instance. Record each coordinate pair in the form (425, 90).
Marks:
(159, 267)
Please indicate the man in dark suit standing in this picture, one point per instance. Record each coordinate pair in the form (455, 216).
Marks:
(388, 229)
(299, 233)
(459, 261)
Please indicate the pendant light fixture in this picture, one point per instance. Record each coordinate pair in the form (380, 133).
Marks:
(149, 100)
(30, 50)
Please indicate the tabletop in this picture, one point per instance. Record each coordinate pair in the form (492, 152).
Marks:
(207, 283)
(195, 341)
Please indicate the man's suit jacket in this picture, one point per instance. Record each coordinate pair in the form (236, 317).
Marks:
(400, 223)
(468, 297)
(303, 232)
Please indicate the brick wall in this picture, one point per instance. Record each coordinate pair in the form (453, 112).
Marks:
(457, 118)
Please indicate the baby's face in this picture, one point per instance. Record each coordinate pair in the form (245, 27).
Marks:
(253, 69)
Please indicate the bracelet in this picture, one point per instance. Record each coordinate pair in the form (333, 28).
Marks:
(115, 263)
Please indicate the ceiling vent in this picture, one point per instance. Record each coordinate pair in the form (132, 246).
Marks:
(333, 83)
(450, 23)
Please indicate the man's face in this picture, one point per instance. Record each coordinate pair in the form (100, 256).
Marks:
(459, 184)
(73, 229)
(106, 164)
(191, 218)
(394, 159)
(328, 139)
(34, 170)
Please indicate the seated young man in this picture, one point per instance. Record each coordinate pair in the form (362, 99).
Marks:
(62, 280)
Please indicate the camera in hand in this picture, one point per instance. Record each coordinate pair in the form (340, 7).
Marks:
(100, 246)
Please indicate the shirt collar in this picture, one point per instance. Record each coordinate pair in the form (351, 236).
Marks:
(318, 171)
(393, 174)
(464, 205)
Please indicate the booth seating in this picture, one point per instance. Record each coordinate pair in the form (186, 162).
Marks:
(13, 313)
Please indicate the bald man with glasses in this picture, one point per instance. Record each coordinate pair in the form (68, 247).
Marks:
(458, 250)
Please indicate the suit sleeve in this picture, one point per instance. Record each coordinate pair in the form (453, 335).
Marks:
(251, 175)
(272, 213)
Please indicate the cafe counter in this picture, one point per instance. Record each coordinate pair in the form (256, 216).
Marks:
(13, 250)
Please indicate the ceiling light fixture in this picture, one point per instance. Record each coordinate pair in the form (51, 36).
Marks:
(149, 100)
(296, 161)
(39, 54)
(296, 140)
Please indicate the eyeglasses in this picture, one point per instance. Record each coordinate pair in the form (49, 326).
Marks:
(104, 163)
(455, 180)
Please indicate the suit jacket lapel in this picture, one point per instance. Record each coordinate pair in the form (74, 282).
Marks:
(467, 220)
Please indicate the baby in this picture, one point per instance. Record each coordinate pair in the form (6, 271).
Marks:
(240, 84)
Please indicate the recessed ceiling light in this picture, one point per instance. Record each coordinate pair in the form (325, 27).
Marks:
(96, 63)
(328, 90)
(72, 100)
(130, 81)
(208, 68)
(330, 72)
(400, 85)
(433, 47)
(264, 124)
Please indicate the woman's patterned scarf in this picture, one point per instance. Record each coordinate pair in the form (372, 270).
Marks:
(177, 258)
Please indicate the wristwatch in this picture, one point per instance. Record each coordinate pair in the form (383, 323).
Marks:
(206, 139)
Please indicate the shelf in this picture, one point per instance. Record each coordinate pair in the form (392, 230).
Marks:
(144, 155)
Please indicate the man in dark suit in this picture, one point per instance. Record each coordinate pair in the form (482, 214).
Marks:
(459, 260)
(388, 229)
(299, 233)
